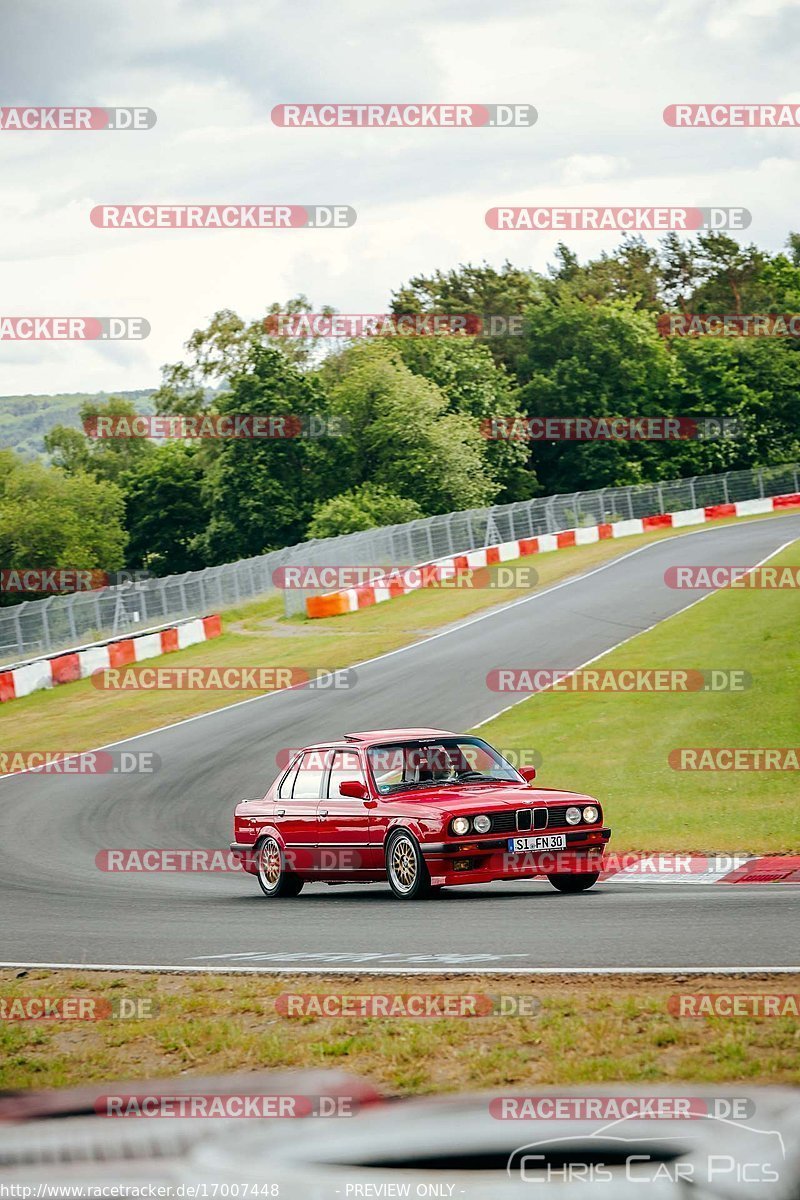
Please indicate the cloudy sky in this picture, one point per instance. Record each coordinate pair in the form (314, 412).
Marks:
(599, 72)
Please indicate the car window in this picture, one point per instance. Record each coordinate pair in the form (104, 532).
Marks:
(437, 763)
(285, 785)
(345, 765)
(309, 776)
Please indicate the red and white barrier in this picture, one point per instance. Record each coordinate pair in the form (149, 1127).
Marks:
(80, 664)
(331, 604)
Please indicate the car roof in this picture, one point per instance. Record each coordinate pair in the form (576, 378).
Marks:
(371, 736)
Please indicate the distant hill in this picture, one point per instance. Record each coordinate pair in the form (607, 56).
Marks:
(24, 420)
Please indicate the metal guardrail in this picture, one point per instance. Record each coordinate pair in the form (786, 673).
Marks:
(40, 627)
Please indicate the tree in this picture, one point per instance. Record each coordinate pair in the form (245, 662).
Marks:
(595, 360)
(476, 291)
(54, 520)
(475, 385)
(368, 506)
(261, 492)
(401, 434)
(104, 458)
(166, 513)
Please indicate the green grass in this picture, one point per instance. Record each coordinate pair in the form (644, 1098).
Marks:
(585, 1032)
(616, 746)
(77, 716)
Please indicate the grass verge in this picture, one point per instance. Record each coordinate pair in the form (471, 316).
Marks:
(616, 745)
(586, 1031)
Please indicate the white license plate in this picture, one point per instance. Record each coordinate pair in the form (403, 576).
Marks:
(548, 841)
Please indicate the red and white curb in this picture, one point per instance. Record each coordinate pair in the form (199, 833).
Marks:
(332, 604)
(701, 868)
(30, 677)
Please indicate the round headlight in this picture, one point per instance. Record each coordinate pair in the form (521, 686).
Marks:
(590, 814)
(461, 825)
(573, 815)
(481, 824)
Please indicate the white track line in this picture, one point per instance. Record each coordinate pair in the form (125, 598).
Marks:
(433, 637)
(443, 969)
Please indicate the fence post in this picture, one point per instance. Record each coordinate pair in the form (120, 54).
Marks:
(18, 624)
(692, 492)
(761, 481)
(47, 643)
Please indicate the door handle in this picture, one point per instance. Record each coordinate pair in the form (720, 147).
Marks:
(280, 812)
(323, 812)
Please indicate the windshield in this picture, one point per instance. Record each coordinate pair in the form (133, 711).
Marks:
(441, 761)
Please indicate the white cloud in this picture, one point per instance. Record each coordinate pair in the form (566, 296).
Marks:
(599, 73)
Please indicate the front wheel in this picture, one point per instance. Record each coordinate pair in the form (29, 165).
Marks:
(409, 878)
(574, 883)
(273, 878)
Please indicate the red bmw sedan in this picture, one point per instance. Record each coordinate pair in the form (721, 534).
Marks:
(423, 808)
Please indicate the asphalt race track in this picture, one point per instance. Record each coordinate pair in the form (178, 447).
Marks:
(59, 908)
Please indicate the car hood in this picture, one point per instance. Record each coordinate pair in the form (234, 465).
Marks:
(483, 799)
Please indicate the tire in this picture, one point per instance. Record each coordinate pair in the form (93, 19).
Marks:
(407, 873)
(574, 883)
(273, 879)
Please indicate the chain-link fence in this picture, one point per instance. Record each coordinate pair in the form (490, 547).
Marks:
(42, 626)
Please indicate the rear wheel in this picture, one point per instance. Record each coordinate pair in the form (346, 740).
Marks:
(273, 878)
(409, 878)
(574, 883)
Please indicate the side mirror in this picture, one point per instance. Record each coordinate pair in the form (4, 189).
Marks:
(528, 773)
(353, 788)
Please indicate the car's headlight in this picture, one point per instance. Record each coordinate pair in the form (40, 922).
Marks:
(460, 825)
(573, 815)
(481, 824)
(591, 814)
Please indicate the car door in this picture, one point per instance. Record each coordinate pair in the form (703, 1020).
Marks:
(296, 804)
(343, 821)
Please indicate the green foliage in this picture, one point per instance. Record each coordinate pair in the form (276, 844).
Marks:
(365, 507)
(261, 493)
(51, 519)
(410, 409)
(401, 433)
(165, 510)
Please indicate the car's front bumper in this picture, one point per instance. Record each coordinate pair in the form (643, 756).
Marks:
(481, 860)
